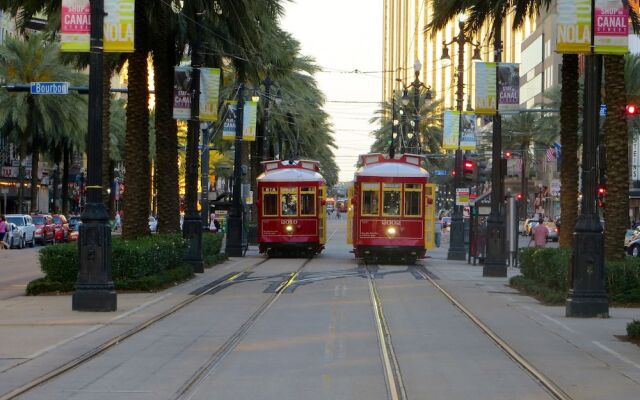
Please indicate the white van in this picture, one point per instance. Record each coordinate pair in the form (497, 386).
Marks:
(25, 225)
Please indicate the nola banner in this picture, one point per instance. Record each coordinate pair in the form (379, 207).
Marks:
(486, 101)
(468, 126)
(182, 88)
(573, 26)
(611, 27)
(508, 86)
(451, 130)
(209, 93)
(75, 26)
(249, 120)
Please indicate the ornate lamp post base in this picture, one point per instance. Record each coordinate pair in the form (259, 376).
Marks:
(94, 287)
(192, 232)
(456, 246)
(234, 235)
(495, 264)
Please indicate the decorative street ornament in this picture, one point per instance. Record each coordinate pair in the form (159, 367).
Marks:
(486, 101)
(75, 25)
(573, 26)
(451, 129)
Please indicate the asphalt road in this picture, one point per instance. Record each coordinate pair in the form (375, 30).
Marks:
(17, 268)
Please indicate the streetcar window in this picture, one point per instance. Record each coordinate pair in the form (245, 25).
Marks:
(270, 202)
(370, 199)
(391, 194)
(307, 201)
(412, 196)
(289, 201)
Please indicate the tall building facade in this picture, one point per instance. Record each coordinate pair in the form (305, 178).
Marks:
(405, 41)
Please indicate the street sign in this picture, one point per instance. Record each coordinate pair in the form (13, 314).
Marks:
(49, 87)
(462, 196)
(603, 110)
(441, 172)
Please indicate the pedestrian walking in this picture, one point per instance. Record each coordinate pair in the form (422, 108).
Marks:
(540, 234)
(117, 223)
(3, 232)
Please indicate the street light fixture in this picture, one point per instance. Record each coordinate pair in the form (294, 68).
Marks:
(456, 246)
(416, 85)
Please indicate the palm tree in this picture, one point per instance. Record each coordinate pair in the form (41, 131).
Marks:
(29, 119)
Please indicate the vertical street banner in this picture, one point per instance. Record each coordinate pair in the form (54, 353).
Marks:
(573, 26)
(508, 86)
(451, 130)
(182, 89)
(486, 101)
(468, 127)
(229, 125)
(249, 121)
(209, 93)
(611, 27)
(118, 26)
(75, 26)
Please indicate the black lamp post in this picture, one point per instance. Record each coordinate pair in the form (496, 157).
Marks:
(416, 85)
(392, 145)
(94, 287)
(234, 231)
(456, 245)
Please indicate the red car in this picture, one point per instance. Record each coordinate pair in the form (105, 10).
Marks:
(45, 228)
(62, 228)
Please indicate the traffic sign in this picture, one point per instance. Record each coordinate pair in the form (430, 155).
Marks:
(49, 87)
(441, 172)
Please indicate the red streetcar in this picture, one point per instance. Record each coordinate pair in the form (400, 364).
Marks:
(291, 208)
(390, 203)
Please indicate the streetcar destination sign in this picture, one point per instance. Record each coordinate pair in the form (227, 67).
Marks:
(49, 87)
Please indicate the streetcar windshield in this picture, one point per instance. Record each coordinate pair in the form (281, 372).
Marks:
(270, 202)
(289, 201)
(307, 201)
(391, 199)
(412, 196)
(370, 195)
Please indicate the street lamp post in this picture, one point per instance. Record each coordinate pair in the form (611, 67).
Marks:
(416, 85)
(94, 286)
(267, 113)
(234, 231)
(456, 245)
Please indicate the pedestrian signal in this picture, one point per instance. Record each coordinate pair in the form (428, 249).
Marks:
(631, 110)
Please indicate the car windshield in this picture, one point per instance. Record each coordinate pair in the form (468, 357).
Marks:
(38, 220)
(16, 220)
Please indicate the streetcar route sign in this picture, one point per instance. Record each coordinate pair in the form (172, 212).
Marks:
(49, 87)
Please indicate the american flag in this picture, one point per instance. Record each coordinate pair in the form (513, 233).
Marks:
(551, 154)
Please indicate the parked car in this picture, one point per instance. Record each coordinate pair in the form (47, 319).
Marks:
(74, 227)
(153, 224)
(553, 231)
(528, 226)
(45, 228)
(14, 237)
(24, 224)
(61, 228)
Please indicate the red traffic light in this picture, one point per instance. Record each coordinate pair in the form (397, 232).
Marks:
(468, 164)
(601, 190)
(631, 109)
(519, 196)
(508, 154)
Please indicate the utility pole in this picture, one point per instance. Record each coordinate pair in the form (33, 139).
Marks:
(204, 179)
(234, 231)
(267, 114)
(94, 286)
(192, 225)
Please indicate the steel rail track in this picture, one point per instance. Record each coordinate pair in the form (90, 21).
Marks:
(554, 390)
(96, 351)
(192, 385)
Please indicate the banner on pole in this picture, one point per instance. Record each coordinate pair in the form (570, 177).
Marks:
(182, 89)
(249, 121)
(486, 101)
(229, 125)
(468, 137)
(508, 86)
(451, 130)
(611, 27)
(209, 93)
(573, 26)
(75, 26)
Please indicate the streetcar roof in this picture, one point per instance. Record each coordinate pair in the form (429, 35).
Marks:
(404, 165)
(291, 171)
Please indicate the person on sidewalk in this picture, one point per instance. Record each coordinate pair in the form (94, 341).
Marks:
(3, 232)
(540, 234)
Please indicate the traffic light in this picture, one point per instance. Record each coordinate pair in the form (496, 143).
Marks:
(631, 110)
(483, 172)
(507, 154)
(519, 197)
(469, 169)
(602, 192)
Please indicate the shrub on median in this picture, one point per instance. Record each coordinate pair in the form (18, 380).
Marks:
(146, 263)
(545, 275)
(633, 330)
(211, 249)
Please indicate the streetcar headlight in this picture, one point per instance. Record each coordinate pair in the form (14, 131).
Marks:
(289, 229)
(391, 231)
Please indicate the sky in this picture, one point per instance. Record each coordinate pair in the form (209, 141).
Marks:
(343, 36)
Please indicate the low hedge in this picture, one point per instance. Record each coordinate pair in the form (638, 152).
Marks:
(145, 264)
(633, 330)
(545, 275)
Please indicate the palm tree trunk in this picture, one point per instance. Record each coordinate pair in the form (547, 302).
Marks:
(136, 208)
(21, 176)
(65, 179)
(617, 147)
(106, 116)
(35, 160)
(166, 139)
(569, 143)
